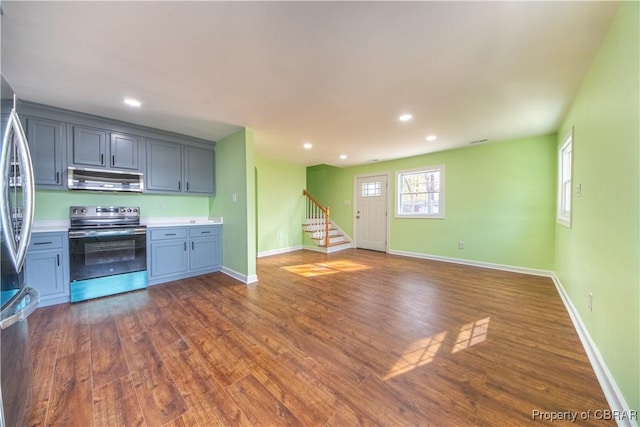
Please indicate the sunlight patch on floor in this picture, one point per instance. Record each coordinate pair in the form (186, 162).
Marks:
(419, 353)
(323, 268)
(424, 350)
(471, 334)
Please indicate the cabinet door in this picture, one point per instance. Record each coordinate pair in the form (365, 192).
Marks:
(46, 139)
(89, 147)
(124, 152)
(168, 257)
(199, 170)
(164, 166)
(44, 271)
(205, 253)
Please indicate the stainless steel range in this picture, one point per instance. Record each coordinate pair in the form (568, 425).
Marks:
(107, 251)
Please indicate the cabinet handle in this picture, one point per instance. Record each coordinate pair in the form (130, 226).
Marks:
(192, 246)
(58, 259)
(187, 185)
(42, 243)
(169, 234)
(178, 185)
(102, 159)
(205, 232)
(57, 177)
(185, 246)
(113, 160)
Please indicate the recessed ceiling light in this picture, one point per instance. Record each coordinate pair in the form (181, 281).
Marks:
(132, 102)
(431, 138)
(405, 117)
(307, 146)
(343, 156)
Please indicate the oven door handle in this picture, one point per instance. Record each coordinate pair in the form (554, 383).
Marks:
(79, 234)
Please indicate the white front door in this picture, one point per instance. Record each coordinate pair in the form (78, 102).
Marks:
(371, 212)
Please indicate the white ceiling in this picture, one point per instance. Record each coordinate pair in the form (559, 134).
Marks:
(336, 74)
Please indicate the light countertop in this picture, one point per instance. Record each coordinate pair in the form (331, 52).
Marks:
(47, 225)
(50, 225)
(180, 221)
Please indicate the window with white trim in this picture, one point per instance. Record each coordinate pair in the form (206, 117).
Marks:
(372, 189)
(565, 160)
(420, 193)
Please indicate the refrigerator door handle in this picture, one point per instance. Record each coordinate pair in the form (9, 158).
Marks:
(21, 314)
(18, 252)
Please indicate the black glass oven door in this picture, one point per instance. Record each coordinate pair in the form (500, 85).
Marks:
(100, 256)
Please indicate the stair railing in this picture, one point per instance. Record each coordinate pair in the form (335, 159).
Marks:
(318, 216)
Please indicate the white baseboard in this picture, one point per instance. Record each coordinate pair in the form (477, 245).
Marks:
(247, 280)
(314, 248)
(324, 250)
(279, 251)
(607, 382)
(503, 267)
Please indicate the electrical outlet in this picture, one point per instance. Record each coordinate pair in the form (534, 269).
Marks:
(590, 301)
(461, 245)
(578, 190)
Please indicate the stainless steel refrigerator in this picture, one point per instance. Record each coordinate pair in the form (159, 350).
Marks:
(18, 300)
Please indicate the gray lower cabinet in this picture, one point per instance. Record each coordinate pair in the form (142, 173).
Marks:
(205, 247)
(47, 139)
(47, 267)
(179, 252)
(167, 252)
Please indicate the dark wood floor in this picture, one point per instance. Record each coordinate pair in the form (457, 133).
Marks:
(352, 338)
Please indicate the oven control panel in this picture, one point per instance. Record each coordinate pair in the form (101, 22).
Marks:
(104, 211)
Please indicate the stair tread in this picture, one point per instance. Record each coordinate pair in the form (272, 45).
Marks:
(330, 235)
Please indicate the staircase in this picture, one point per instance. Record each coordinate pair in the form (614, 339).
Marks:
(325, 234)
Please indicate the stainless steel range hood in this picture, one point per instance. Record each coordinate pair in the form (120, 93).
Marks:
(104, 180)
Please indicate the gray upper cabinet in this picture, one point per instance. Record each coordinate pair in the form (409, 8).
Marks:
(47, 139)
(180, 168)
(88, 147)
(98, 148)
(164, 166)
(199, 170)
(170, 162)
(124, 151)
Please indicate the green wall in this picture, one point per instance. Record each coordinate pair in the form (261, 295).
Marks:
(600, 252)
(500, 200)
(54, 205)
(235, 201)
(280, 204)
(319, 181)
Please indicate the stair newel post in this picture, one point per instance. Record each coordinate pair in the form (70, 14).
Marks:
(326, 227)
